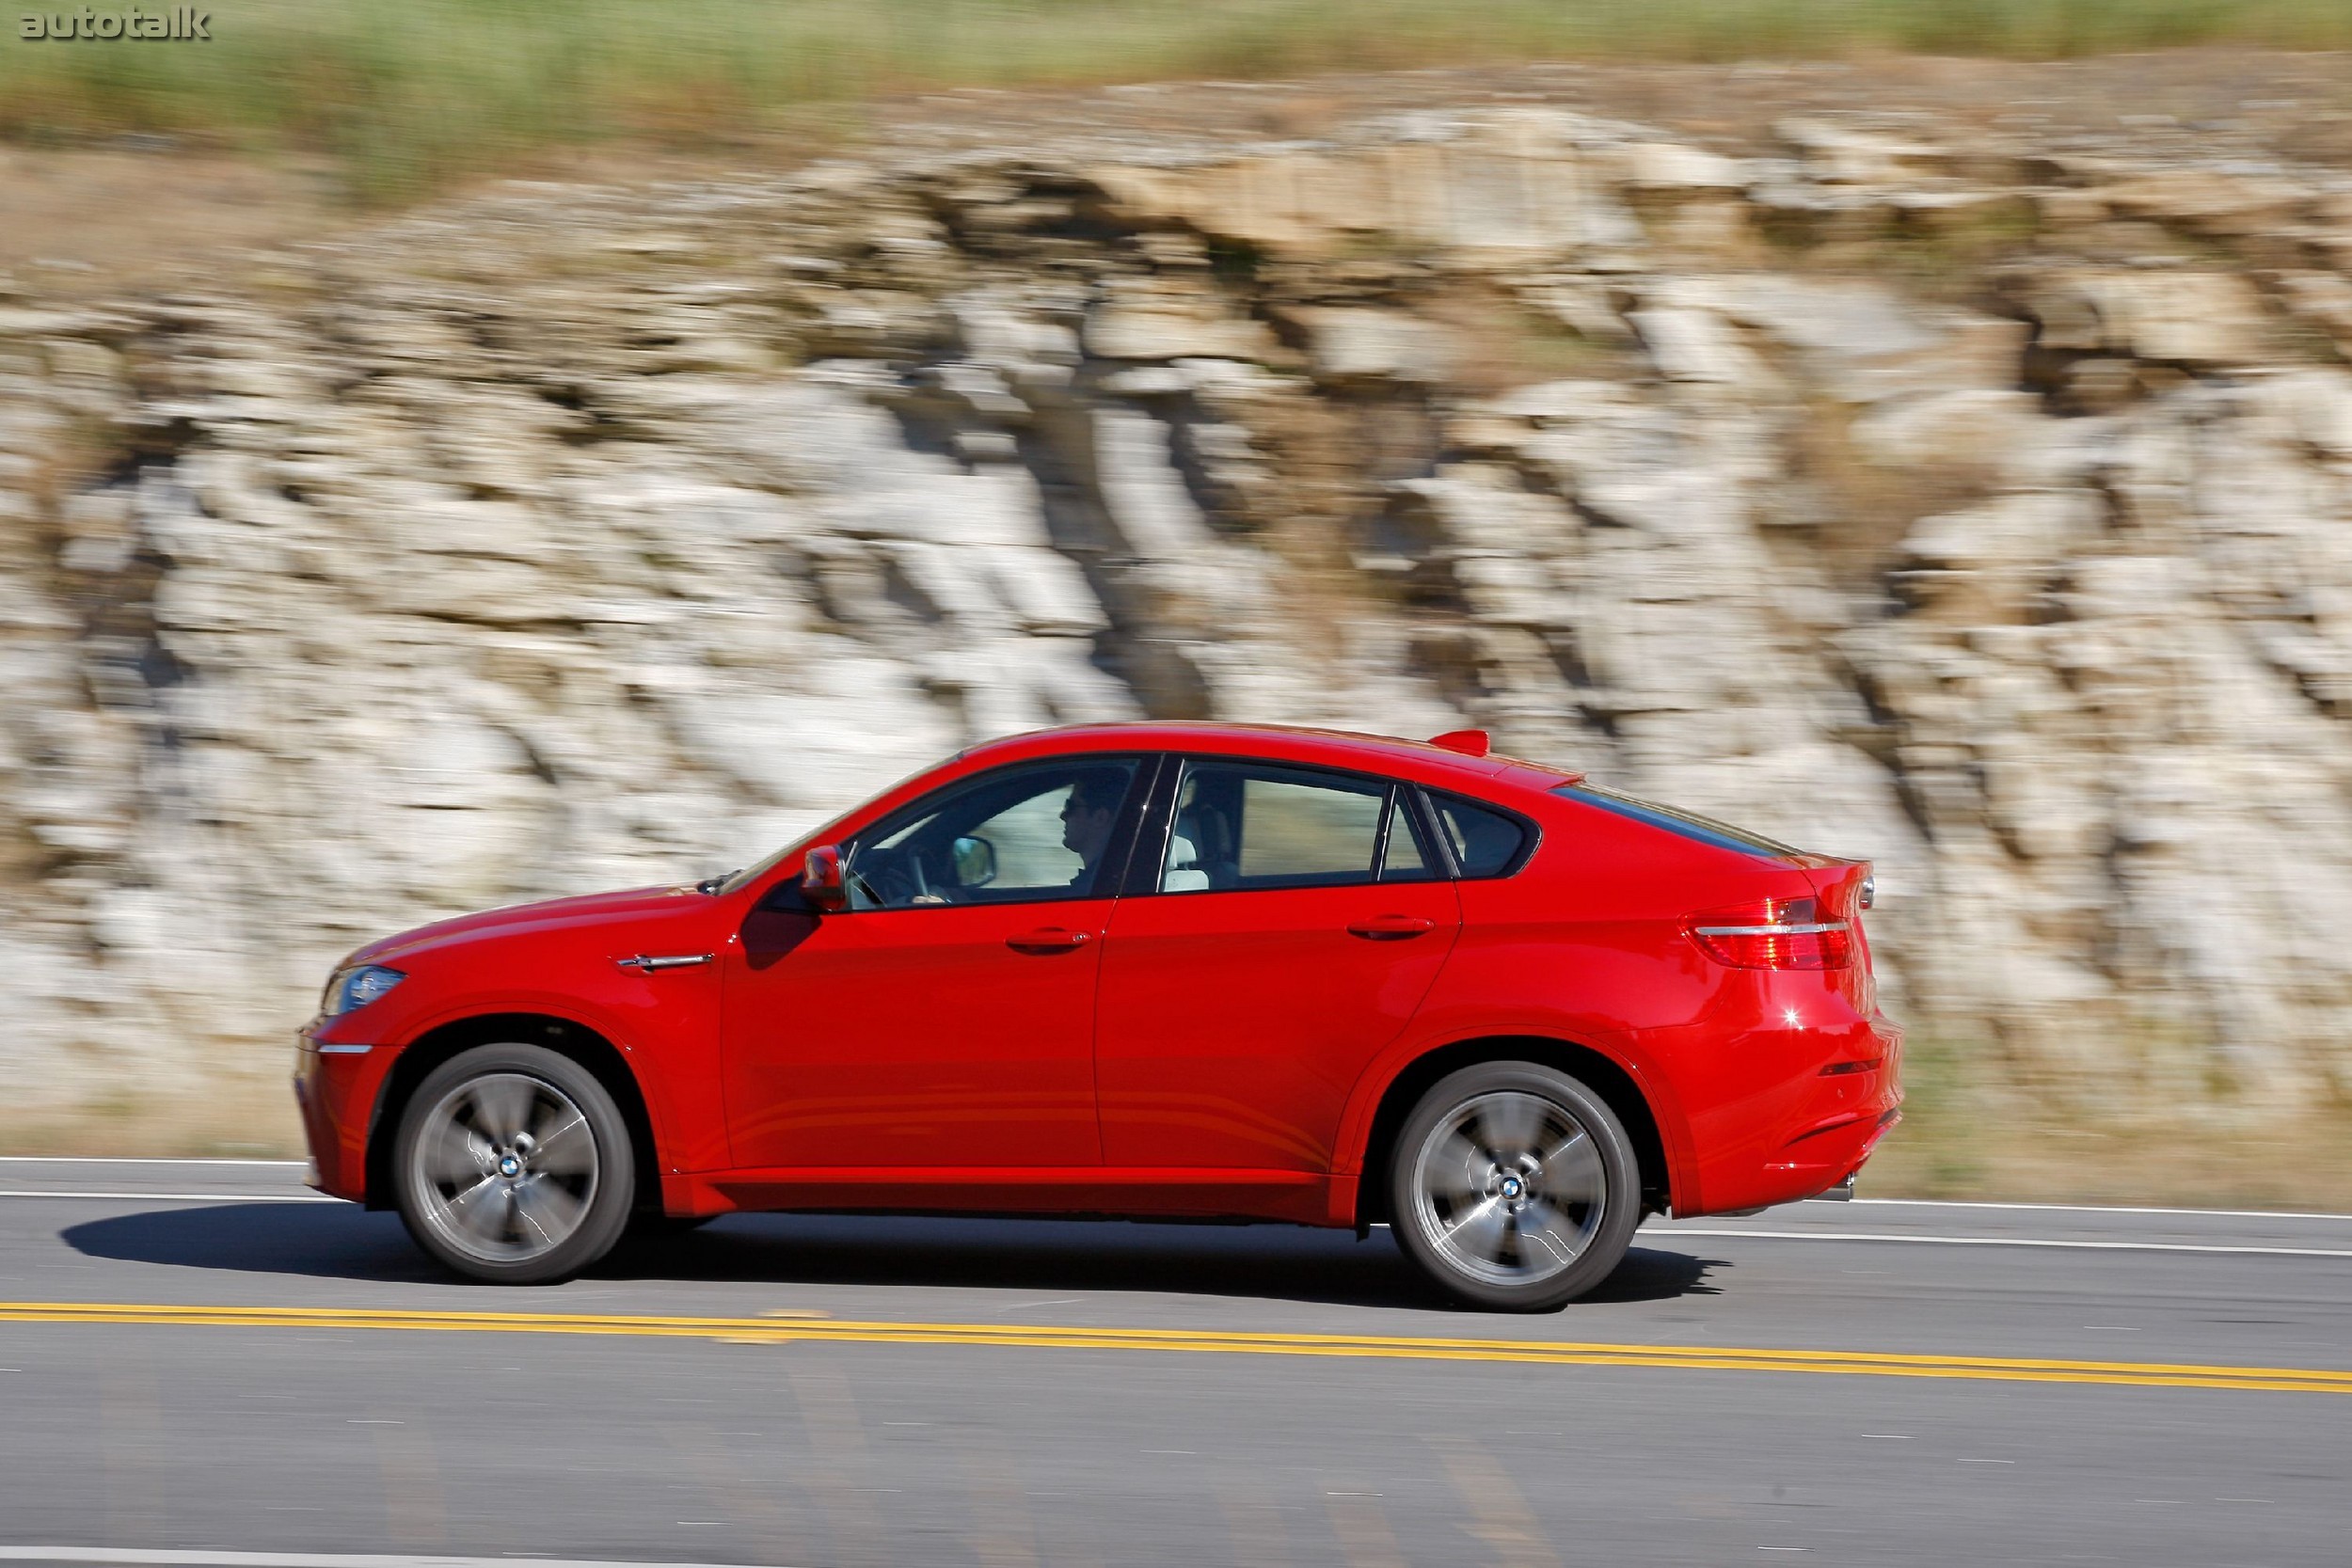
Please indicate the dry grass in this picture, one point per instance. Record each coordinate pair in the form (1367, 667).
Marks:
(2300, 1164)
(239, 1117)
(406, 95)
(1967, 1133)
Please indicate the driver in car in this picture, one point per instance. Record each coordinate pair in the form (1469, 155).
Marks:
(1087, 816)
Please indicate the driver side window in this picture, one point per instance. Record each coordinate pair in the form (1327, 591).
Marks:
(1018, 835)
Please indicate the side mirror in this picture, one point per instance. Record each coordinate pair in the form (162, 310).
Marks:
(822, 882)
(974, 862)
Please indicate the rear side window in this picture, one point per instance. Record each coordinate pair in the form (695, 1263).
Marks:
(1405, 856)
(1703, 829)
(1486, 843)
(1242, 826)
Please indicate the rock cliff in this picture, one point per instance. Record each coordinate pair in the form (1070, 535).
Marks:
(1977, 502)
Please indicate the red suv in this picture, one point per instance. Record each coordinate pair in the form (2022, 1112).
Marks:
(1173, 970)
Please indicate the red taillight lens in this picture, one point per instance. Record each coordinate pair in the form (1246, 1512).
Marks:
(1775, 933)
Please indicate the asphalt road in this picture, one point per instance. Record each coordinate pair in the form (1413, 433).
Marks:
(202, 1364)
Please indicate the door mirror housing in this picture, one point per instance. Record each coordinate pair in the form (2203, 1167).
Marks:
(822, 881)
(974, 862)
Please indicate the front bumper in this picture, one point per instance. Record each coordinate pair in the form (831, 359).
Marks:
(337, 1086)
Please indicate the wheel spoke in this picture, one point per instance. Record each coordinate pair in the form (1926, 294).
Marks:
(1569, 1137)
(1509, 1124)
(1547, 1237)
(1573, 1172)
(457, 1155)
(481, 1208)
(546, 1210)
(1452, 1171)
(1479, 1230)
(567, 1149)
(501, 1106)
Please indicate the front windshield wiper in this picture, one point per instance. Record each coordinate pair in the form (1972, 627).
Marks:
(713, 884)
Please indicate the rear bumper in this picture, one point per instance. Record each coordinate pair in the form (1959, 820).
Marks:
(1827, 1156)
(1826, 1125)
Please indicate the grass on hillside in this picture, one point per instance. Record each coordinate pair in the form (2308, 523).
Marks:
(407, 94)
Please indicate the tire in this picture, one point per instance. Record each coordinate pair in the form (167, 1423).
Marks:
(1513, 1187)
(513, 1166)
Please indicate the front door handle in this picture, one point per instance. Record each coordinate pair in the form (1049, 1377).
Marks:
(1390, 928)
(648, 963)
(1047, 939)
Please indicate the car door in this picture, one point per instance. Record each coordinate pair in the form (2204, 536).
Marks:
(946, 1018)
(1288, 923)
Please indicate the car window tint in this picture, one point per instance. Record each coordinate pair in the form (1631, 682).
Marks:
(1011, 836)
(1242, 826)
(1690, 825)
(1404, 858)
(1485, 843)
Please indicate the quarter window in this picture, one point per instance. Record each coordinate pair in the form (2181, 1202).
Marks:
(1485, 843)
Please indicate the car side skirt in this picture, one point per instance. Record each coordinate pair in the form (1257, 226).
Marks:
(1299, 1197)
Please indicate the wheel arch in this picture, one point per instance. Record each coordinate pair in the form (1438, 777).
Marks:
(1604, 1074)
(565, 1037)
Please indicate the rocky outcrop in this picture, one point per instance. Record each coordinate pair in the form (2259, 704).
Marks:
(1981, 507)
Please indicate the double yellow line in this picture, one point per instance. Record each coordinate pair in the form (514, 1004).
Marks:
(817, 1329)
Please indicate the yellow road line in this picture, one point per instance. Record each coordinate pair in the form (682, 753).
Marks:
(803, 1330)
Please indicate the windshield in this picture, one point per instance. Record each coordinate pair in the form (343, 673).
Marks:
(821, 834)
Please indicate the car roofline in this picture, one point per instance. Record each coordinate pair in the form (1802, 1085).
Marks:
(1291, 742)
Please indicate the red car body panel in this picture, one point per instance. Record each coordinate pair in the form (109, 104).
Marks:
(1211, 1053)
(1233, 1025)
(914, 1036)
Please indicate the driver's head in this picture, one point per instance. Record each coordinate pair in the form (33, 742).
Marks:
(1091, 809)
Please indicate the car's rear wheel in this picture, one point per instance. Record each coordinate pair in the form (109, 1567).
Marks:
(1513, 1187)
(513, 1165)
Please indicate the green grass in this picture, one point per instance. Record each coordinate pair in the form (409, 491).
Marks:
(406, 94)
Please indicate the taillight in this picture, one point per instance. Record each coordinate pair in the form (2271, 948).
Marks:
(1775, 933)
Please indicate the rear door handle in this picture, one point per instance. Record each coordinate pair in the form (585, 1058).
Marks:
(1389, 928)
(1047, 939)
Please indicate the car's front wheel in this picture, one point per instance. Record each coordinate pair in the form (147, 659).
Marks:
(513, 1165)
(1513, 1187)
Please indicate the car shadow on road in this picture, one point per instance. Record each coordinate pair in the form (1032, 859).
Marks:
(333, 1241)
(1292, 1262)
(1283, 1262)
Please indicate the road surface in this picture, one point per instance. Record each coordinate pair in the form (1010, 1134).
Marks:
(202, 1364)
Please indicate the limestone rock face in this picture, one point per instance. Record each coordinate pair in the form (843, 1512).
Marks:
(577, 537)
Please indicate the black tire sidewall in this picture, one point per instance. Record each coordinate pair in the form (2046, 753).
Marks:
(1621, 1205)
(608, 1211)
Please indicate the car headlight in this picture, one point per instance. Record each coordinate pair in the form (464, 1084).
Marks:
(351, 989)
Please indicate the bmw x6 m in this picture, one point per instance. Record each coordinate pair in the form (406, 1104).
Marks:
(1164, 969)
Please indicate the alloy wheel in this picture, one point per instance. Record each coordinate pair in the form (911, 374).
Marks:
(1509, 1188)
(505, 1167)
